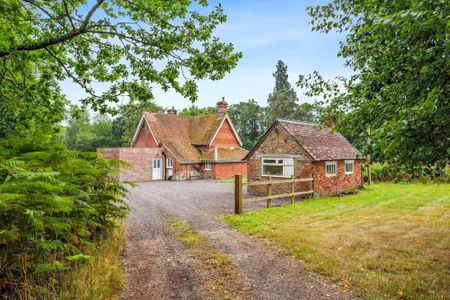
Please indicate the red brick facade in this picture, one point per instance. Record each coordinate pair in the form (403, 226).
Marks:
(279, 144)
(225, 170)
(139, 160)
(184, 145)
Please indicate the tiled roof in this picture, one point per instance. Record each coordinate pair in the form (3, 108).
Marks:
(181, 134)
(321, 143)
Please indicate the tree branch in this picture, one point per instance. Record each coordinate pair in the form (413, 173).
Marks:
(74, 78)
(59, 39)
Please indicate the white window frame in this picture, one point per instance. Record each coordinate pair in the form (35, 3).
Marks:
(345, 166)
(208, 166)
(287, 164)
(330, 163)
(169, 163)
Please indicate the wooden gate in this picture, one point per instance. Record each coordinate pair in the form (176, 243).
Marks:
(239, 201)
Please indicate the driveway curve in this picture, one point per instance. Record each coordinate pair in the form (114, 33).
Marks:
(158, 267)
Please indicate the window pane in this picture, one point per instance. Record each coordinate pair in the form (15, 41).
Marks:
(280, 161)
(269, 161)
(273, 170)
(288, 171)
(349, 167)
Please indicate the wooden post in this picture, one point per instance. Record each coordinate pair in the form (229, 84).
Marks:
(311, 184)
(292, 190)
(238, 194)
(369, 171)
(269, 193)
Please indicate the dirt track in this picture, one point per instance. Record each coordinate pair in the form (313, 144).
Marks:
(158, 267)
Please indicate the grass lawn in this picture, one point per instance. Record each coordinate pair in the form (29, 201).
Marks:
(389, 241)
(244, 180)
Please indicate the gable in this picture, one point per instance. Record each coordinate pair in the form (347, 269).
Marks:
(144, 136)
(275, 142)
(226, 135)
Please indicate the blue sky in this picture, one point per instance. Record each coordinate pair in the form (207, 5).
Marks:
(264, 31)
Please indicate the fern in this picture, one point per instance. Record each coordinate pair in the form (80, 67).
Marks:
(54, 206)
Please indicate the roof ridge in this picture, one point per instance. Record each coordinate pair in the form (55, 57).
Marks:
(298, 122)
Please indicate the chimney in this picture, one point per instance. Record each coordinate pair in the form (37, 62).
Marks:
(330, 122)
(172, 111)
(221, 108)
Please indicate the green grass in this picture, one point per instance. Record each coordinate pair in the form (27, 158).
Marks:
(389, 241)
(244, 180)
(221, 281)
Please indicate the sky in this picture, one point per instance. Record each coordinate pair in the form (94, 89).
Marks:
(264, 31)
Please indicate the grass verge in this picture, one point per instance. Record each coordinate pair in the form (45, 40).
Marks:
(101, 277)
(244, 180)
(218, 269)
(389, 241)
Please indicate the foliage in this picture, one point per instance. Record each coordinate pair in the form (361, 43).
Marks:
(103, 270)
(127, 119)
(125, 45)
(283, 101)
(387, 172)
(54, 206)
(196, 111)
(249, 119)
(400, 90)
(390, 241)
(82, 134)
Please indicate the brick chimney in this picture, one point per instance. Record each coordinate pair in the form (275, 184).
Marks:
(221, 108)
(330, 122)
(172, 111)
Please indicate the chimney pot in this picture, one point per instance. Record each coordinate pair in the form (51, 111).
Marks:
(221, 108)
(172, 111)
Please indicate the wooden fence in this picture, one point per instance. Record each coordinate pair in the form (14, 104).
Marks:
(239, 201)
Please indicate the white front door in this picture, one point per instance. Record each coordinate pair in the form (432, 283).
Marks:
(157, 169)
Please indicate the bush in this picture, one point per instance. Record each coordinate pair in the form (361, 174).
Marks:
(54, 206)
(387, 172)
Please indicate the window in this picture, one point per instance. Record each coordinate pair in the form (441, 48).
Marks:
(278, 167)
(349, 166)
(169, 163)
(156, 163)
(208, 166)
(330, 168)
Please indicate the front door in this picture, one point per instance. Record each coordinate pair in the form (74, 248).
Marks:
(157, 169)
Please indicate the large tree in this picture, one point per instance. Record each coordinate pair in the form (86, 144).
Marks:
(283, 101)
(249, 119)
(125, 46)
(400, 91)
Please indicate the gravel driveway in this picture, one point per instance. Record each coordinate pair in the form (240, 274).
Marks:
(158, 267)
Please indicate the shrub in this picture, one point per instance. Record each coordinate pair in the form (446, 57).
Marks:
(54, 206)
(387, 172)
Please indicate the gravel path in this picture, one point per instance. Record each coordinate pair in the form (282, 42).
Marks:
(158, 267)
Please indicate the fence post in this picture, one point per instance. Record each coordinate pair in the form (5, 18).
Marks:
(311, 185)
(238, 194)
(269, 193)
(292, 190)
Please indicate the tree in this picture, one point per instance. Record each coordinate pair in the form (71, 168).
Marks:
(401, 86)
(249, 120)
(128, 117)
(283, 101)
(196, 111)
(126, 45)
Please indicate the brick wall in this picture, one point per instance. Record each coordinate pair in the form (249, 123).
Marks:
(225, 137)
(337, 184)
(145, 138)
(139, 160)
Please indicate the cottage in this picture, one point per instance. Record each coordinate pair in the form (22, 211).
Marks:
(304, 150)
(173, 147)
